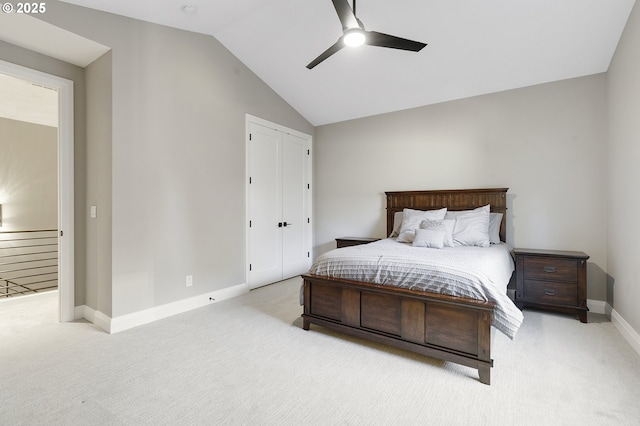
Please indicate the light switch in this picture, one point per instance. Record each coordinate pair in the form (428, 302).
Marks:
(94, 212)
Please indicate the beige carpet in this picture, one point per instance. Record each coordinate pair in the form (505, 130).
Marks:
(247, 361)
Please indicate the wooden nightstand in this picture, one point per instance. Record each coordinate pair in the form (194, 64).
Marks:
(353, 241)
(552, 279)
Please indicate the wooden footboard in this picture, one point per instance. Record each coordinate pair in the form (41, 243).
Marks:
(449, 328)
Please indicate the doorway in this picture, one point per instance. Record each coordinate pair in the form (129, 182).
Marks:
(65, 184)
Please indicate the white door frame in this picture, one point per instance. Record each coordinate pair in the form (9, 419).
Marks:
(66, 279)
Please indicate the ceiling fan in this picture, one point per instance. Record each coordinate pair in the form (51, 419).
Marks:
(354, 34)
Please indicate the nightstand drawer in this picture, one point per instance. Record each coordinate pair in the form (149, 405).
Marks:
(551, 269)
(550, 292)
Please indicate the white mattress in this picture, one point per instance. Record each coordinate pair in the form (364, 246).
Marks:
(480, 273)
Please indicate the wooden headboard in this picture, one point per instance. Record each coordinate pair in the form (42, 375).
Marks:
(455, 199)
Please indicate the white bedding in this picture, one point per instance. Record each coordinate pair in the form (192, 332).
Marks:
(480, 273)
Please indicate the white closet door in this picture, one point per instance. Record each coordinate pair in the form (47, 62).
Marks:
(265, 193)
(279, 204)
(295, 247)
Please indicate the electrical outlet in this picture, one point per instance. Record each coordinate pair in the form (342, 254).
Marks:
(189, 280)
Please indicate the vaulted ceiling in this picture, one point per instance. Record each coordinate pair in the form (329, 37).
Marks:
(474, 46)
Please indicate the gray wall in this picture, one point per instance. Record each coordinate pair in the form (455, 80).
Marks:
(98, 161)
(28, 176)
(546, 143)
(36, 61)
(624, 174)
(179, 101)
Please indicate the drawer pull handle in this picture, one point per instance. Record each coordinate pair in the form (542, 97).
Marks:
(549, 292)
(550, 269)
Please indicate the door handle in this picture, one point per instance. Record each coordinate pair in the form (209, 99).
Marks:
(287, 224)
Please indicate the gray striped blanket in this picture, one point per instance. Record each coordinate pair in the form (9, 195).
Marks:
(480, 273)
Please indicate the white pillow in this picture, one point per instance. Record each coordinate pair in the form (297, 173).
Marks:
(494, 227)
(495, 220)
(406, 236)
(453, 214)
(472, 229)
(411, 221)
(429, 238)
(397, 222)
(446, 225)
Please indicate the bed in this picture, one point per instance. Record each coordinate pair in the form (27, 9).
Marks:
(454, 326)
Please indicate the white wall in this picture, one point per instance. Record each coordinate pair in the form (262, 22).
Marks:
(624, 174)
(177, 157)
(28, 176)
(546, 143)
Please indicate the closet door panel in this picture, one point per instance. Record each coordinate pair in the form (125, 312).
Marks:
(295, 252)
(265, 192)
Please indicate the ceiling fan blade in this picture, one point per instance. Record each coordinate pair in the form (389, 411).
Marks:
(345, 14)
(385, 40)
(330, 51)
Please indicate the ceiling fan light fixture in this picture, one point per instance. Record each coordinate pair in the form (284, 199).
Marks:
(354, 38)
(354, 34)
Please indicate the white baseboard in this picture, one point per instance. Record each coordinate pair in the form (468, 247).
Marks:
(608, 309)
(125, 322)
(625, 329)
(96, 317)
(596, 306)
